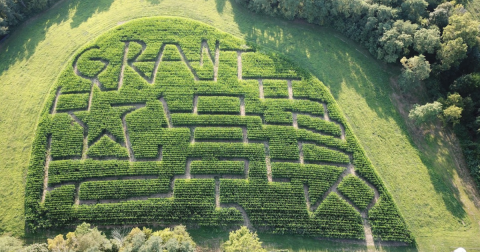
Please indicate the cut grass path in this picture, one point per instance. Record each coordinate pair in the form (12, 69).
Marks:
(431, 195)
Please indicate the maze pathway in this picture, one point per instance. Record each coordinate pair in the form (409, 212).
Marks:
(159, 122)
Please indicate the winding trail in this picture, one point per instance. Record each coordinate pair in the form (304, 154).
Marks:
(215, 58)
(124, 63)
(260, 89)
(47, 164)
(239, 65)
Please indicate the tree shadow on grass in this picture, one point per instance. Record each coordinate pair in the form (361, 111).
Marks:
(88, 8)
(220, 5)
(23, 42)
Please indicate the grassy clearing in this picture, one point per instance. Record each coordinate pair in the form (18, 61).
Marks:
(421, 176)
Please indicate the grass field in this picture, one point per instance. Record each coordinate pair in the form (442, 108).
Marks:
(420, 173)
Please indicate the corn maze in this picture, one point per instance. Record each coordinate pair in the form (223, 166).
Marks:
(167, 120)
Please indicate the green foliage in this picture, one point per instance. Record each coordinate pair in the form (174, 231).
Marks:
(396, 41)
(242, 240)
(357, 191)
(106, 147)
(154, 119)
(88, 63)
(426, 40)
(425, 113)
(321, 154)
(218, 133)
(217, 167)
(338, 218)
(218, 105)
(69, 102)
(413, 10)
(256, 65)
(414, 70)
(10, 244)
(171, 53)
(383, 218)
(319, 178)
(462, 26)
(121, 189)
(452, 52)
(452, 114)
(66, 137)
(275, 88)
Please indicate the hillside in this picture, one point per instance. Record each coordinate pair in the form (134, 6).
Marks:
(430, 194)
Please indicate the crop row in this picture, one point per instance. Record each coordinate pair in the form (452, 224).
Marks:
(319, 178)
(315, 153)
(357, 191)
(68, 102)
(107, 148)
(217, 167)
(218, 105)
(279, 207)
(218, 133)
(121, 189)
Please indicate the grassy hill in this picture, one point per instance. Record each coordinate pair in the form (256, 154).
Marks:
(434, 198)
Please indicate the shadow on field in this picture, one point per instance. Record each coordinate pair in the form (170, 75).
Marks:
(88, 7)
(220, 5)
(19, 47)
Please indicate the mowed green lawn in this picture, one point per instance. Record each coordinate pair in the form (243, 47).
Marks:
(419, 171)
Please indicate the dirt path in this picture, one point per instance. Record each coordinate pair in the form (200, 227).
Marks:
(300, 152)
(217, 192)
(239, 65)
(290, 89)
(184, 59)
(124, 63)
(55, 102)
(260, 88)
(217, 61)
(192, 135)
(267, 161)
(128, 144)
(85, 135)
(195, 104)
(242, 106)
(325, 113)
(246, 220)
(295, 121)
(244, 135)
(167, 112)
(47, 164)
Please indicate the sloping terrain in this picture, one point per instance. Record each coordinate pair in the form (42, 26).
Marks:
(431, 195)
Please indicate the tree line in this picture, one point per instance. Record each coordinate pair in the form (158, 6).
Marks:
(88, 239)
(13, 12)
(435, 41)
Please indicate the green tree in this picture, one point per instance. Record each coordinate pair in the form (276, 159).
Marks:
(426, 40)
(37, 247)
(462, 26)
(396, 42)
(413, 10)
(440, 15)
(10, 244)
(425, 113)
(83, 239)
(414, 70)
(452, 53)
(243, 240)
(452, 114)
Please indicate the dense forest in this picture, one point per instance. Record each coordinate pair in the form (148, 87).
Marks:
(435, 41)
(13, 12)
